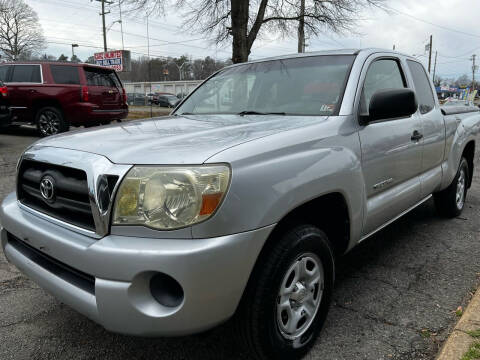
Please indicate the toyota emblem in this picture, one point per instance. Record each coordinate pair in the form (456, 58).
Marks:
(47, 189)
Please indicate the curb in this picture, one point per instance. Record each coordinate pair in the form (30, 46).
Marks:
(459, 340)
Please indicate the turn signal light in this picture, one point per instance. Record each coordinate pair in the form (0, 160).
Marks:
(85, 93)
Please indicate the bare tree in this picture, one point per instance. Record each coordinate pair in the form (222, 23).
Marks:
(20, 32)
(245, 20)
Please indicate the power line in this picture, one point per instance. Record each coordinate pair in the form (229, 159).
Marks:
(385, 7)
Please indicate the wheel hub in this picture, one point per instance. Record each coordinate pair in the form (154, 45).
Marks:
(300, 296)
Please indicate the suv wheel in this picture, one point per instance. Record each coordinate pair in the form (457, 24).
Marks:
(50, 121)
(451, 201)
(286, 301)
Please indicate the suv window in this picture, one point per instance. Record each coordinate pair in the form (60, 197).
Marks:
(26, 73)
(4, 72)
(423, 90)
(382, 74)
(100, 77)
(63, 74)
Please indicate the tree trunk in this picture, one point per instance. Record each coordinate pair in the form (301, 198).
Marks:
(301, 28)
(239, 16)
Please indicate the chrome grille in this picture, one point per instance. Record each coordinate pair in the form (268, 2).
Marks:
(70, 201)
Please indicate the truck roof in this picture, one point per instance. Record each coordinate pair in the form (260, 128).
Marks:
(366, 51)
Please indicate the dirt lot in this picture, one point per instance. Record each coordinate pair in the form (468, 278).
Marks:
(395, 297)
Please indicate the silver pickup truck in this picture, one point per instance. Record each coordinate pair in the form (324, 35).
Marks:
(237, 205)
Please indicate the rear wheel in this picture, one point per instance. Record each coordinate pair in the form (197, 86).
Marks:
(451, 201)
(286, 301)
(50, 121)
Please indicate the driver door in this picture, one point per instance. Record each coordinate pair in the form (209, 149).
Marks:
(391, 154)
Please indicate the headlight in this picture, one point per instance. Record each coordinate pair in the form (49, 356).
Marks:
(170, 197)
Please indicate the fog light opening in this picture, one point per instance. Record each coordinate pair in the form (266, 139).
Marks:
(166, 290)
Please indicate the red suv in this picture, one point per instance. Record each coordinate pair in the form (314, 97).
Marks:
(55, 95)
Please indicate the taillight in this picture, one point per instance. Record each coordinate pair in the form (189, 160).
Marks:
(124, 94)
(84, 93)
(3, 90)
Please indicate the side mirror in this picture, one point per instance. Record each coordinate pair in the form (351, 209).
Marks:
(391, 104)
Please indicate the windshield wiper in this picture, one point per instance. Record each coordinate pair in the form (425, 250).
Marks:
(185, 113)
(252, 112)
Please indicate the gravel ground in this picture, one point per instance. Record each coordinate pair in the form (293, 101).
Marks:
(395, 297)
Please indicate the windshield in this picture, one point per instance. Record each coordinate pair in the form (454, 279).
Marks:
(299, 86)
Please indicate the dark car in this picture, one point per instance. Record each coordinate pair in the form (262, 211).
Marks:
(55, 95)
(136, 99)
(168, 100)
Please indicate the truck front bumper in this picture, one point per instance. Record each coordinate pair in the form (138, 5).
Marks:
(212, 272)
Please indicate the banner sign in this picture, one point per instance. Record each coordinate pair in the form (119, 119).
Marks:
(118, 60)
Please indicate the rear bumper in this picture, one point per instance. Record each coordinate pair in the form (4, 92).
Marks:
(212, 272)
(87, 113)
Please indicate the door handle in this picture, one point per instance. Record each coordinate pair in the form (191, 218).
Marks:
(416, 136)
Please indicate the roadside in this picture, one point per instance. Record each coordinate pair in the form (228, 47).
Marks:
(140, 112)
(464, 341)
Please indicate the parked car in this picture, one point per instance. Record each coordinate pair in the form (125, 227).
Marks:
(168, 100)
(136, 99)
(54, 95)
(240, 209)
(152, 98)
(5, 111)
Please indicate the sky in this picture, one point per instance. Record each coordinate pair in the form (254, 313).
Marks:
(407, 25)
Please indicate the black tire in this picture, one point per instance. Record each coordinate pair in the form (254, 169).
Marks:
(446, 201)
(256, 318)
(50, 121)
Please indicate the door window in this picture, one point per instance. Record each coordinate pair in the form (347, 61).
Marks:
(381, 75)
(63, 74)
(4, 72)
(423, 90)
(26, 74)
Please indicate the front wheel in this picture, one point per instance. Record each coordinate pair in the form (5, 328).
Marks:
(288, 296)
(451, 201)
(50, 121)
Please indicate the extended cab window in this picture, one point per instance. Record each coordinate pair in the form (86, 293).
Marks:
(63, 74)
(423, 90)
(101, 77)
(26, 74)
(382, 74)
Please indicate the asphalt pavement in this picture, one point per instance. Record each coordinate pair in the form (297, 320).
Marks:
(395, 295)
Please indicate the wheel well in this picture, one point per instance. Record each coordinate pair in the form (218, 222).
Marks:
(328, 212)
(38, 104)
(468, 153)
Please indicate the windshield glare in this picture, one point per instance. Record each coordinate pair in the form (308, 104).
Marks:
(298, 86)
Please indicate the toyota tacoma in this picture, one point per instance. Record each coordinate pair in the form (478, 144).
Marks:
(237, 205)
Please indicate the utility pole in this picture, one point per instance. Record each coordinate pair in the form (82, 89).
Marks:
(474, 68)
(149, 68)
(301, 28)
(102, 14)
(435, 66)
(393, 47)
(121, 22)
(430, 55)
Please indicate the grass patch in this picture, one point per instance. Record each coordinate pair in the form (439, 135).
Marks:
(425, 333)
(459, 311)
(473, 353)
(474, 333)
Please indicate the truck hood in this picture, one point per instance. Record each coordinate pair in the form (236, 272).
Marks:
(187, 139)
